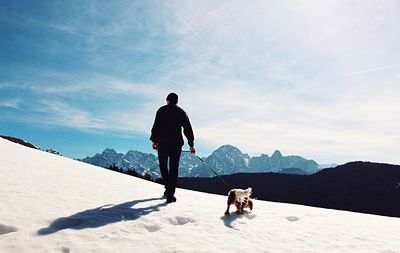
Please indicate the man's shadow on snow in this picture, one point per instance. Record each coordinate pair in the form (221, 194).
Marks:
(100, 216)
(229, 219)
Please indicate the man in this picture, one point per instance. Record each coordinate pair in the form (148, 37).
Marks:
(166, 136)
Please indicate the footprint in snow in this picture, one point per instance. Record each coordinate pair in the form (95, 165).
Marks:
(65, 250)
(250, 216)
(292, 218)
(152, 228)
(180, 220)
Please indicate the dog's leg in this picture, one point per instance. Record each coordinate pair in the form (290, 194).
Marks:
(251, 204)
(245, 203)
(238, 205)
(242, 207)
(227, 210)
(231, 200)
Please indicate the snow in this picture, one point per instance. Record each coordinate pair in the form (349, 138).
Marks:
(55, 204)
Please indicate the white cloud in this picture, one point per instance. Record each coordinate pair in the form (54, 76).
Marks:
(4, 85)
(63, 114)
(12, 103)
(366, 71)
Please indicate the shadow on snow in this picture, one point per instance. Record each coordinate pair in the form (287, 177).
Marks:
(101, 216)
(229, 219)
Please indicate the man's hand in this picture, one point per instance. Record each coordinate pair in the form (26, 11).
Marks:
(192, 150)
(154, 145)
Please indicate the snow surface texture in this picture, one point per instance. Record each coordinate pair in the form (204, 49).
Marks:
(54, 204)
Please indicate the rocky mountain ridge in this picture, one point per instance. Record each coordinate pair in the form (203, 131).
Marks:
(225, 160)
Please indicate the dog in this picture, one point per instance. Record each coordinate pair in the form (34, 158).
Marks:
(241, 199)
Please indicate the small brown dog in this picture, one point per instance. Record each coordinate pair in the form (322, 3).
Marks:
(241, 199)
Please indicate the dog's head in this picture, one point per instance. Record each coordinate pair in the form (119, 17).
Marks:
(240, 192)
(248, 191)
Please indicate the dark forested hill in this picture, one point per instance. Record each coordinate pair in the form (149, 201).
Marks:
(357, 186)
(18, 140)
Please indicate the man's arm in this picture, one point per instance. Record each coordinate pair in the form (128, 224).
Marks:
(155, 130)
(188, 131)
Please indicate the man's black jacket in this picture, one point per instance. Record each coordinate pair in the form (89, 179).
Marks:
(167, 127)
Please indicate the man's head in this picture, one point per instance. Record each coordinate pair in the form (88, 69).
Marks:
(172, 98)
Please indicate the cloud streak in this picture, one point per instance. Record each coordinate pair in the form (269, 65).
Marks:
(62, 114)
(186, 24)
(13, 103)
(366, 71)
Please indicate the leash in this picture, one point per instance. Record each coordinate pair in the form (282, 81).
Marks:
(219, 177)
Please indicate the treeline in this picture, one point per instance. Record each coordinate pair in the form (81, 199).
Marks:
(131, 172)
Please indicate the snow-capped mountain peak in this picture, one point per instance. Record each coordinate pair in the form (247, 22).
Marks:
(277, 155)
(227, 159)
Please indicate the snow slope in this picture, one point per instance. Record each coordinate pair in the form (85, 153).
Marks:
(54, 204)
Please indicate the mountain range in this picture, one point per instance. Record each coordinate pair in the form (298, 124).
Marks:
(225, 160)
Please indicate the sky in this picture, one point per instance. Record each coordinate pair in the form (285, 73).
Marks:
(318, 79)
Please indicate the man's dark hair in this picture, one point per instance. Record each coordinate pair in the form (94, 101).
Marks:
(173, 98)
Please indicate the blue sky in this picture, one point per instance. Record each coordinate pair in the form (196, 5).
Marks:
(317, 79)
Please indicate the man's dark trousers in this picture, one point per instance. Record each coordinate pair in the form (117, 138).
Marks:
(170, 177)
